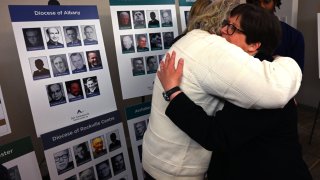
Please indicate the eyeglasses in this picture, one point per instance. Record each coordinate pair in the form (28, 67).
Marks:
(231, 28)
(62, 157)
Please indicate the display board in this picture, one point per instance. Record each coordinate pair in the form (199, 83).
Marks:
(184, 6)
(20, 160)
(4, 121)
(143, 31)
(64, 64)
(137, 120)
(94, 148)
(318, 25)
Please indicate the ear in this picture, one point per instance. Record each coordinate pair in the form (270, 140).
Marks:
(253, 47)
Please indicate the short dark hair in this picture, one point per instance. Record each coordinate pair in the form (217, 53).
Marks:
(277, 3)
(259, 25)
(72, 29)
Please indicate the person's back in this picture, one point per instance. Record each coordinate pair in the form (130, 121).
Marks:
(257, 144)
(167, 151)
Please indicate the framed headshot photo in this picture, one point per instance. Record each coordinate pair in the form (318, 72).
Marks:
(127, 44)
(118, 164)
(91, 86)
(142, 42)
(87, 174)
(151, 64)
(63, 160)
(39, 67)
(113, 140)
(33, 39)
(74, 90)
(89, 35)
(155, 41)
(138, 66)
(14, 173)
(104, 170)
(56, 94)
(82, 153)
(72, 36)
(98, 146)
(139, 20)
(59, 65)
(168, 38)
(124, 20)
(139, 129)
(54, 37)
(94, 60)
(166, 18)
(77, 62)
(153, 18)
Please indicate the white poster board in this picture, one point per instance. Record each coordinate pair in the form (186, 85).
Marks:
(137, 120)
(20, 160)
(67, 81)
(4, 121)
(94, 148)
(140, 45)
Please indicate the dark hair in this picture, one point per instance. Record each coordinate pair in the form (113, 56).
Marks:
(149, 59)
(83, 145)
(4, 173)
(72, 29)
(49, 88)
(277, 3)
(259, 25)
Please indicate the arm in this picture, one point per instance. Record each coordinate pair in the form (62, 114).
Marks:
(224, 70)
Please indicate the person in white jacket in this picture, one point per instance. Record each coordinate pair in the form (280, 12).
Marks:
(213, 70)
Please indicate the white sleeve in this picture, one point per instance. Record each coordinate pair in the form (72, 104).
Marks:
(250, 83)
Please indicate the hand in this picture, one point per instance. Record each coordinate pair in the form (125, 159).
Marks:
(168, 75)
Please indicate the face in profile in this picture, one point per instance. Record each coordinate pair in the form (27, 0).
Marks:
(55, 92)
(53, 34)
(62, 159)
(127, 42)
(59, 64)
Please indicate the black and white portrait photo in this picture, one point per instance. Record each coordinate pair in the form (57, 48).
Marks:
(118, 164)
(63, 160)
(139, 129)
(56, 94)
(72, 36)
(39, 67)
(153, 18)
(59, 65)
(166, 18)
(91, 86)
(114, 140)
(89, 35)
(124, 20)
(155, 41)
(139, 20)
(33, 39)
(127, 44)
(82, 153)
(54, 37)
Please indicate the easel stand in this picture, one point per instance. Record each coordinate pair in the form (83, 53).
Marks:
(314, 122)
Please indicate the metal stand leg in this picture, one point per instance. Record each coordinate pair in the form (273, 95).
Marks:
(314, 123)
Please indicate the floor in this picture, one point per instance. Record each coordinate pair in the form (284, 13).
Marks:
(311, 152)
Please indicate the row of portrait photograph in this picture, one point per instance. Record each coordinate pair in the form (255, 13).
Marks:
(139, 19)
(75, 90)
(146, 42)
(59, 37)
(145, 65)
(61, 64)
(94, 150)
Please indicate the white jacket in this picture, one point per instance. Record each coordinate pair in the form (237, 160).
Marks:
(213, 70)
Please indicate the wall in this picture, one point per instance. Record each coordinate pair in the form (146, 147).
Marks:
(309, 93)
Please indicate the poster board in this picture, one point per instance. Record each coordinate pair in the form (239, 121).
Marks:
(20, 159)
(4, 121)
(140, 45)
(86, 149)
(184, 7)
(64, 64)
(137, 120)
